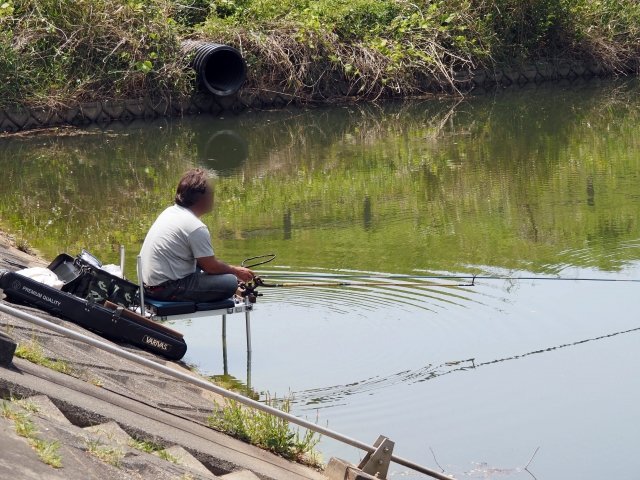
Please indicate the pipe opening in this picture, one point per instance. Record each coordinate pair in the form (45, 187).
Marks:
(222, 70)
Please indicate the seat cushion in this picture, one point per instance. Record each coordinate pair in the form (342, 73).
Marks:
(166, 309)
(228, 303)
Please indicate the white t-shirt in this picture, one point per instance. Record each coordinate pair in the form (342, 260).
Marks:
(172, 245)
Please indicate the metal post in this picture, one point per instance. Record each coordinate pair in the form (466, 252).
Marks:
(247, 315)
(122, 260)
(213, 388)
(141, 286)
(249, 370)
(224, 345)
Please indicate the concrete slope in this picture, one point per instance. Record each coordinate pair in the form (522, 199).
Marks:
(83, 454)
(85, 404)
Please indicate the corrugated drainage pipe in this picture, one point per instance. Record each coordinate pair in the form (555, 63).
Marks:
(221, 69)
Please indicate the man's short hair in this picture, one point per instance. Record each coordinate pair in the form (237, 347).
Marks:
(192, 184)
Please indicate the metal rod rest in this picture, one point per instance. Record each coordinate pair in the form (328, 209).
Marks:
(214, 388)
(247, 315)
(122, 260)
(224, 345)
(141, 283)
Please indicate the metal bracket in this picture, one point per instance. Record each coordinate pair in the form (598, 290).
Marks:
(117, 314)
(377, 463)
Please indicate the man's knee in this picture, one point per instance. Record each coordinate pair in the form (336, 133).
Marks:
(229, 283)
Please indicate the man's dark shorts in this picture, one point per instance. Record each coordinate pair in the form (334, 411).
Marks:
(197, 287)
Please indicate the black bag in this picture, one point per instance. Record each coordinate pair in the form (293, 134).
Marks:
(117, 324)
(84, 278)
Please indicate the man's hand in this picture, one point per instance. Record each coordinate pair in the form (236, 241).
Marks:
(243, 274)
(213, 266)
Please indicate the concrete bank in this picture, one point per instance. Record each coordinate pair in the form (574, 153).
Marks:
(125, 401)
(476, 82)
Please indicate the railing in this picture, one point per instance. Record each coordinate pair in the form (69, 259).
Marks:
(214, 388)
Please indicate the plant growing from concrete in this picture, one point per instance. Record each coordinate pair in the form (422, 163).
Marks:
(25, 404)
(167, 456)
(45, 450)
(268, 431)
(144, 445)
(33, 352)
(106, 453)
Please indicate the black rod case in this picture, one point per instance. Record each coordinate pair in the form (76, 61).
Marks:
(115, 323)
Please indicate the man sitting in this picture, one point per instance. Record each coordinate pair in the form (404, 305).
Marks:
(178, 242)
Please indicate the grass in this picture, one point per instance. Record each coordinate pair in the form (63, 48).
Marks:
(267, 431)
(144, 445)
(52, 53)
(382, 47)
(150, 447)
(106, 453)
(167, 456)
(33, 352)
(24, 426)
(46, 451)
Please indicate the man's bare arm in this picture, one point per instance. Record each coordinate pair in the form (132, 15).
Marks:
(213, 266)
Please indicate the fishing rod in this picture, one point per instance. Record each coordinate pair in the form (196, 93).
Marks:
(269, 257)
(261, 283)
(433, 277)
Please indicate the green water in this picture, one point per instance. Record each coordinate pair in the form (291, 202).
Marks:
(544, 182)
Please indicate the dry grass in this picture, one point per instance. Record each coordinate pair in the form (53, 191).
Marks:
(53, 52)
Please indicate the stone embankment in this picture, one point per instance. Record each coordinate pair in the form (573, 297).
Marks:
(477, 82)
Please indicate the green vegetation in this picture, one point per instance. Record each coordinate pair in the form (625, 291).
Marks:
(267, 431)
(144, 445)
(54, 52)
(150, 447)
(399, 47)
(46, 450)
(33, 352)
(106, 453)
(168, 457)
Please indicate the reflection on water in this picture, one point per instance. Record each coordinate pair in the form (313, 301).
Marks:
(224, 151)
(332, 396)
(541, 183)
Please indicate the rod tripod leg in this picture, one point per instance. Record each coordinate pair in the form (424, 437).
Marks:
(249, 371)
(224, 345)
(247, 315)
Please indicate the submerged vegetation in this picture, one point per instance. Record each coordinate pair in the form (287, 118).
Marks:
(55, 52)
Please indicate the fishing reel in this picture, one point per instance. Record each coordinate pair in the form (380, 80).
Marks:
(249, 289)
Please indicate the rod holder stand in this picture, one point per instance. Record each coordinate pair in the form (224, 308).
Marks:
(247, 315)
(122, 260)
(141, 282)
